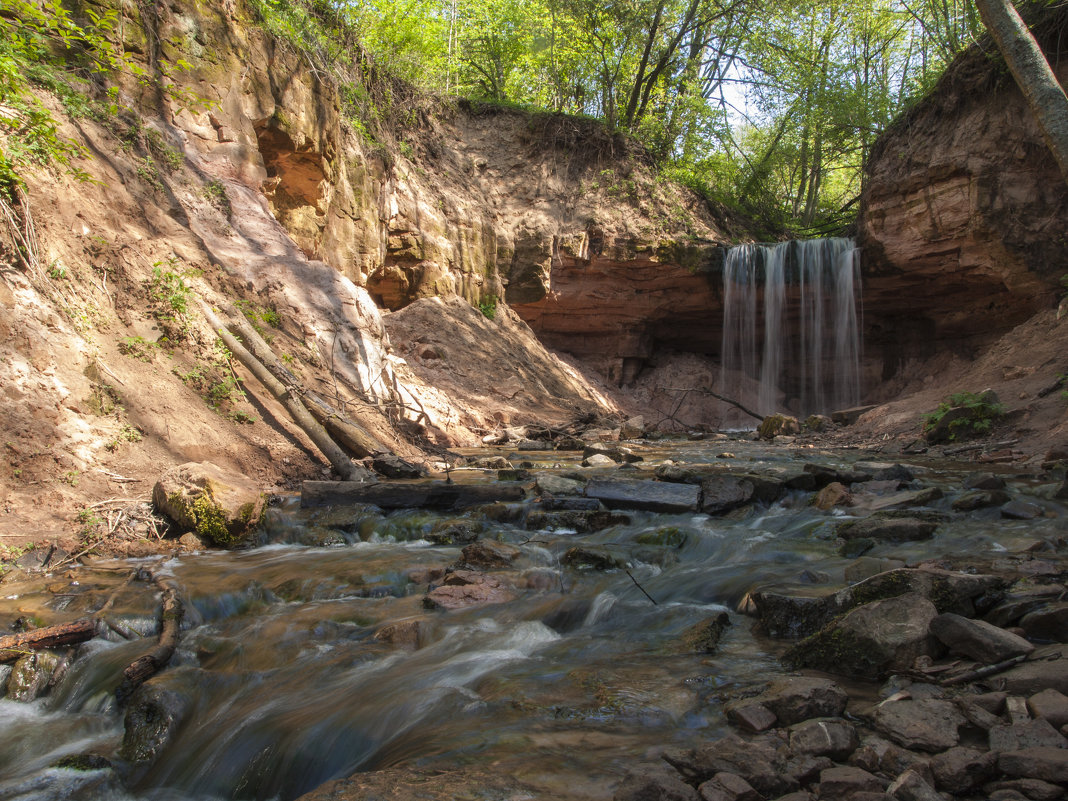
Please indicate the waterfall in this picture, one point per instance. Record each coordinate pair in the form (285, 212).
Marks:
(798, 349)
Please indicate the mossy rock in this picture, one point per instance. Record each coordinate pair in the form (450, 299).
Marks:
(778, 424)
(221, 508)
(664, 537)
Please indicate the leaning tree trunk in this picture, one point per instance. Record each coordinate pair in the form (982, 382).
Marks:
(1033, 74)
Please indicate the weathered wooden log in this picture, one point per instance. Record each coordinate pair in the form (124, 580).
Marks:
(348, 433)
(406, 494)
(299, 412)
(13, 646)
(150, 663)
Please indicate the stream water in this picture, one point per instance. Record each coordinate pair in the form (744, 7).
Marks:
(284, 685)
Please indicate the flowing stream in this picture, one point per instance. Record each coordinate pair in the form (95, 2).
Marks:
(283, 685)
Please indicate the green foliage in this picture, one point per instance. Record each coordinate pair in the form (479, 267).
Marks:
(970, 414)
(170, 296)
(488, 306)
(126, 434)
(215, 192)
(259, 316)
(137, 347)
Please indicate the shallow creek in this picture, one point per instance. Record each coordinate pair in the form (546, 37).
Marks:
(582, 676)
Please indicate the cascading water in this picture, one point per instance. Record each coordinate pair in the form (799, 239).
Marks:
(802, 351)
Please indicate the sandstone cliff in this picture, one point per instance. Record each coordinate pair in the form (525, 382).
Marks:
(963, 215)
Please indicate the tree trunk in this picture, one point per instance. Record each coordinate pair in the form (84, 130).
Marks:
(1033, 74)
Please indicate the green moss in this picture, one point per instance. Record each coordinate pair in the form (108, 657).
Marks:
(210, 522)
(667, 537)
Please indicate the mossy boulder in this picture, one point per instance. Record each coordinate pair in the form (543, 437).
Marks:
(221, 507)
(778, 424)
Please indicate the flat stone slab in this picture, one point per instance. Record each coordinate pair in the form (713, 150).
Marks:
(652, 496)
(977, 639)
(925, 725)
(406, 494)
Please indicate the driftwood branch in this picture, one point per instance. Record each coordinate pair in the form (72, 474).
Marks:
(983, 672)
(289, 398)
(170, 624)
(15, 645)
(717, 396)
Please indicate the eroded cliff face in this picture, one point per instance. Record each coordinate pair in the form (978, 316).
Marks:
(963, 216)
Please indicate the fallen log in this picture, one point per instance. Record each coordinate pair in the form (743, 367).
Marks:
(289, 398)
(348, 433)
(406, 494)
(15, 645)
(150, 663)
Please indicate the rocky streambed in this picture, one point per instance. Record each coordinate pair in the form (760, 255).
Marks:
(719, 620)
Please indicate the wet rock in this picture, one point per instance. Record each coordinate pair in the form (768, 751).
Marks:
(846, 417)
(910, 786)
(980, 499)
(851, 549)
(454, 532)
(834, 494)
(868, 566)
(1046, 668)
(426, 575)
(153, 716)
(488, 554)
(654, 785)
(750, 715)
(441, 495)
(390, 466)
(579, 521)
(778, 424)
(549, 484)
(884, 471)
(663, 537)
(845, 783)
(880, 756)
(703, 637)
(962, 769)
(818, 423)
(977, 639)
(653, 496)
(898, 500)
(1050, 705)
(567, 615)
(412, 633)
(1026, 734)
(1017, 603)
(830, 737)
(965, 594)
(466, 588)
(617, 454)
(977, 716)
(1046, 764)
(680, 475)
(220, 506)
(1021, 510)
(598, 460)
(984, 481)
(871, 640)
(83, 762)
(569, 444)
(592, 557)
(191, 542)
(722, 493)
(1032, 789)
(758, 761)
(570, 503)
(32, 675)
(923, 725)
(795, 615)
(492, 463)
(1048, 623)
(796, 699)
(633, 428)
(728, 787)
(887, 529)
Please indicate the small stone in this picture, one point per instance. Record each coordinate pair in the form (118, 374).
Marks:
(1048, 623)
(962, 769)
(1049, 705)
(925, 725)
(1028, 734)
(910, 786)
(1021, 510)
(549, 484)
(796, 699)
(191, 542)
(654, 785)
(1047, 764)
(598, 460)
(1031, 789)
(984, 481)
(842, 783)
(978, 640)
(750, 716)
(489, 554)
(465, 588)
(726, 786)
(831, 737)
(980, 499)
(834, 494)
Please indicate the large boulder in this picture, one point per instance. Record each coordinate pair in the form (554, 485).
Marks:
(221, 506)
(871, 640)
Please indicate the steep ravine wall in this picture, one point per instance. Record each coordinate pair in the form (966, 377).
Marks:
(963, 215)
